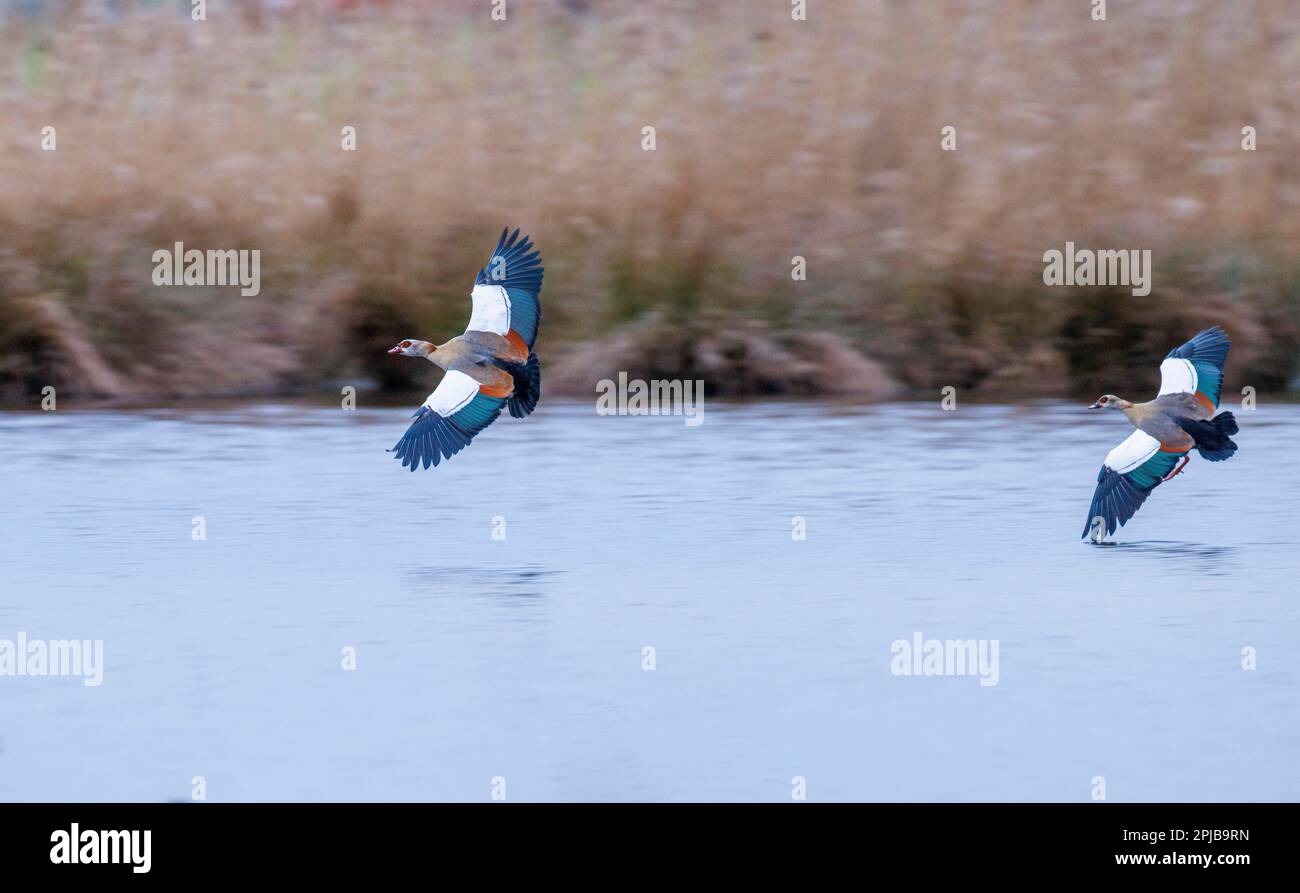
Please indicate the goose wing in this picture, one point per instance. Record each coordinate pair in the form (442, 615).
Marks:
(1197, 367)
(447, 421)
(506, 291)
(1131, 471)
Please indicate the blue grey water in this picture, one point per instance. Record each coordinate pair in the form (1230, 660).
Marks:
(522, 658)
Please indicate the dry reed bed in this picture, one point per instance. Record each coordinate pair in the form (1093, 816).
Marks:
(774, 139)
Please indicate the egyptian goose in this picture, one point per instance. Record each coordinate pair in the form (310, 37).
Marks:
(1168, 428)
(490, 366)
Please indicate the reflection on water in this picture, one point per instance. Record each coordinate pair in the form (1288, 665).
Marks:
(1208, 559)
(528, 581)
(524, 656)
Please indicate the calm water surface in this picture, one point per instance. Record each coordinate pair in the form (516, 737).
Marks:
(522, 658)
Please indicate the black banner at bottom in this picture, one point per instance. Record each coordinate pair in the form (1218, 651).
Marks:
(335, 841)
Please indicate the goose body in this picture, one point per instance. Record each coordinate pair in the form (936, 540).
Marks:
(1181, 418)
(490, 367)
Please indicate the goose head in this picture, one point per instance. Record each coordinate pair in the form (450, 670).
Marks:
(412, 348)
(1110, 401)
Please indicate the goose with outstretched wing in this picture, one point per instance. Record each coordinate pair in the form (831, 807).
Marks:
(1180, 419)
(489, 367)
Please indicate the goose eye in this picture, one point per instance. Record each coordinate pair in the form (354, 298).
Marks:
(1103, 399)
(406, 344)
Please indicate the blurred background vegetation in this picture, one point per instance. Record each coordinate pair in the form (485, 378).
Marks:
(775, 138)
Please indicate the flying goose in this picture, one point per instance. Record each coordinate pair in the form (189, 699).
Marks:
(490, 366)
(1168, 428)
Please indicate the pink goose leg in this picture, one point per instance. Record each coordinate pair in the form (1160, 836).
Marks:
(1178, 470)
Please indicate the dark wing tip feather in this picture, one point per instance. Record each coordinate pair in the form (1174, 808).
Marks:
(523, 264)
(1208, 345)
(1116, 500)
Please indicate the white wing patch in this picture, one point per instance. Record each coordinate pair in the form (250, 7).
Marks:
(491, 310)
(452, 393)
(1139, 447)
(1177, 377)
